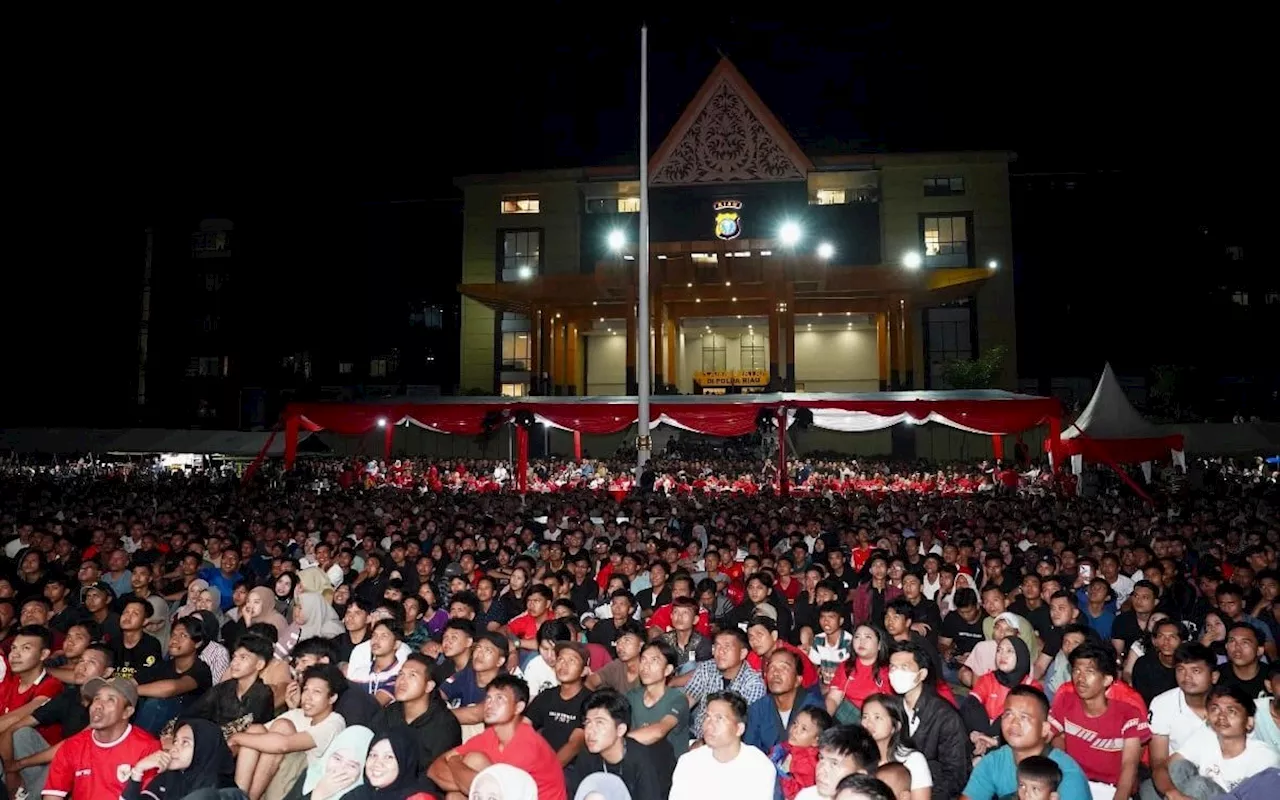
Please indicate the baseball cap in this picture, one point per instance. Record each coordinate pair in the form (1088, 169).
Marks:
(101, 586)
(124, 687)
(580, 649)
(496, 639)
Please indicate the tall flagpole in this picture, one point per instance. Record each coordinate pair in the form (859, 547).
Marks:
(644, 326)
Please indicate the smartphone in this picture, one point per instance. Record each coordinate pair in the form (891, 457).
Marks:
(1086, 572)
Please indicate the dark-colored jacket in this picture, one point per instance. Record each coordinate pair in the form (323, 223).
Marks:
(764, 725)
(943, 740)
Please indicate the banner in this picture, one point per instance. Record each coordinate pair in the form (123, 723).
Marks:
(750, 377)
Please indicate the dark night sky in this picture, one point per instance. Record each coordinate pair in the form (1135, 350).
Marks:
(307, 124)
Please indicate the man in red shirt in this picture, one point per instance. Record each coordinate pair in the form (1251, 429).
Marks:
(27, 686)
(506, 740)
(98, 761)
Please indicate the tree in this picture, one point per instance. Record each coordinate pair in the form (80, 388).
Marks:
(982, 372)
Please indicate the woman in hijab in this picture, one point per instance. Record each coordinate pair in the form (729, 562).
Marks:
(285, 587)
(596, 786)
(505, 782)
(394, 769)
(261, 607)
(982, 707)
(210, 599)
(339, 771)
(198, 759)
(313, 579)
(313, 617)
(188, 606)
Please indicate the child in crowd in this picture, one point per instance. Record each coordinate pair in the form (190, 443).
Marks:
(897, 777)
(797, 758)
(1038, 778)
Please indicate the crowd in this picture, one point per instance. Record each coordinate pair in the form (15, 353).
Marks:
(421, 630)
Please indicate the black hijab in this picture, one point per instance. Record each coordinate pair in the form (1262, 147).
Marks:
(410, 780)
(1021, 669)
(212, 766)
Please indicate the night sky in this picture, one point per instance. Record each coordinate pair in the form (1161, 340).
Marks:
(310, 127)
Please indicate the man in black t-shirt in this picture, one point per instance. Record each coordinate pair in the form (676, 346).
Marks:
(177, 683)
(961, 632)
(139, 656)
(557, 713)
(645, 769)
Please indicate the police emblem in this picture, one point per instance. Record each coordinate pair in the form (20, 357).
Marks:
(728, 220)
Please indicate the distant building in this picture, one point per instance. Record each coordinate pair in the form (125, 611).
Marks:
(769, 268)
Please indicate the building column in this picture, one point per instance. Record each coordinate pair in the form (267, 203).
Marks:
(672, 338)
(562, 356)
(535, 351)
(895, 344)
(775, 339)
(882, 348)
(549, 353)
(633, 387)
(908, 347)
(572, 383)
(789, 319)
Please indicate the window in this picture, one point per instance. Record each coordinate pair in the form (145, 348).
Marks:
(427, 317)
(950, 338)
(1240, 298)
(943, 187)
(345, 367)
(1273, 298)
(520, 204)
(210, 244)
(209, 367)
(210, 323)
(613, 205)
(378, 368)
(946, 241)
(212, 281)
(516, 352)
(521, 256)
(752, 355)
(515, 389)
(829, 197)
(714, 353)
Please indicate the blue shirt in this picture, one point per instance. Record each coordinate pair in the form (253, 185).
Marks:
(996, 776)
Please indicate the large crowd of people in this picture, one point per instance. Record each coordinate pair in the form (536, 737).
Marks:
(422, 629)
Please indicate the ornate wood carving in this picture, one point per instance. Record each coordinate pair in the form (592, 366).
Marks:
(727, 142)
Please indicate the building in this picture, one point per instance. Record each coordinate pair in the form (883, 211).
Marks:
(769, 267)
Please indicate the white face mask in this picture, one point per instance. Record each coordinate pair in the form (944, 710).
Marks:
(903, 682)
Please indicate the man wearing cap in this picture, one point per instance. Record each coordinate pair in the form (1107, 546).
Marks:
(97, 762)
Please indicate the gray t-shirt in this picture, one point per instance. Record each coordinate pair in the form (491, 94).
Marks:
(674, 703)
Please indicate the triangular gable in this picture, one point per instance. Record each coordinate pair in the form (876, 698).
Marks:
(725, 135)
(1110, 415)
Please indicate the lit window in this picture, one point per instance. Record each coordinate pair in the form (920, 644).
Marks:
(628, 205)
(1273, 298)
(515, 389)
(520, 204)
(613, 205)
(515, 352)
(946, 241)
(714, 353)
(521, 256)
(829, 197)
(378, 368)
(1240, 298)
(345, 367)
(753, 356)
(943, 187)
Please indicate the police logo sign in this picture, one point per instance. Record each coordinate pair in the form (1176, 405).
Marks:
(728, 219)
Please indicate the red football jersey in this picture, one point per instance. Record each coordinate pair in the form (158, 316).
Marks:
(91, 770)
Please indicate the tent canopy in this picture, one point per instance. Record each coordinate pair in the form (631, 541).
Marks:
(982, 411)
(144, 441)
(1111, 429)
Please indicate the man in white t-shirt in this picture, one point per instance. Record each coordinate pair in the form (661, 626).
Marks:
(725, 767)
(270, 760)
(1218, 757)
(1176, 715)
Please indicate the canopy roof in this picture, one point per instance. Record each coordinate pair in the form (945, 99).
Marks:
(140, 441)
(981, 411)
(1110, 428)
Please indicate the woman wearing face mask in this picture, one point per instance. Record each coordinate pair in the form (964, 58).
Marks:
(393, 770)
(339, 771)
(197, 760)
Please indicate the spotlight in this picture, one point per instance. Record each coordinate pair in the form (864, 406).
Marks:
(616, 240)
(789, 233)
(826, 250)
(911, 260)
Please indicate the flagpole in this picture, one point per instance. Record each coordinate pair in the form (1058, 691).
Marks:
(644, 326)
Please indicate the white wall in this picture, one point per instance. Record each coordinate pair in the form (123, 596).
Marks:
(606, 364)
(837, 360)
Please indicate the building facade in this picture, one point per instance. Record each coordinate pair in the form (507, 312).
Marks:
(770, 269)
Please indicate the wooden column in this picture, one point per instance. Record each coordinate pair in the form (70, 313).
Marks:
(882, 348)
(572, 384)
(633, 387)
(895, 344)
(908, 346)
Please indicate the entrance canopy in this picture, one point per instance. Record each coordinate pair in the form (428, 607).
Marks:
(985, 412)
(1111, 429)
